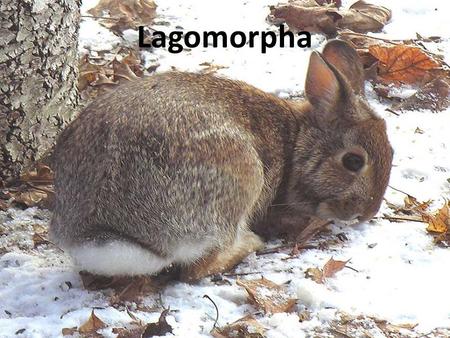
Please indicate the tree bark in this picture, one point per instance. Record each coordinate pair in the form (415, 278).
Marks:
(38, 77)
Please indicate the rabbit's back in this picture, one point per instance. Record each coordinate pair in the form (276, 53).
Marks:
(167, 160)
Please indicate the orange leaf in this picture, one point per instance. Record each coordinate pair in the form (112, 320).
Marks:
(402, 63)
(440, 222)
(331, 267)
(92, 325)
(329, 270)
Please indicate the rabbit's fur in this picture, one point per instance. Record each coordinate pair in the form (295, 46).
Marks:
(177, 167)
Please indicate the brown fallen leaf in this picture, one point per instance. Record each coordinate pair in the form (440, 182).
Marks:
(138, 287)
(304, 316)
(40, 174)
(40, 229)
(160, 328)
(101, 76)
(434, 95)
(246, 327)
(140, 330)
(134, 332)
(210, 68)
(363, 17)
(33, 188)
(92, 325)
(30, 197)
(321, 17)
(439, 222)
(392, 329)
(69, 331)
(329, 270)
(402, 63)
(332, 266)
(38, 240)
(306, 16)
(267, 295)
(126, 14)
(336, 3)
(123, 72)
(414, 206)
(314, 274)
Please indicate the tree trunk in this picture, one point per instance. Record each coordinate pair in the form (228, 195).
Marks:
(38, 77)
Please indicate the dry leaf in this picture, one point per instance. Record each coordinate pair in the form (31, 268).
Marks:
(312, 228)
(40, 174)
(440, 222)
(402, 63)
(135, 332)
(160, 328)
(268, 296)
(123, 72)
(336, 3)
(30, 198)
(246, 327)
(331, 267)
(320, 17)
(329, 270)
(210, 68)
(68, 331)
(315, 274)
(92, 325)
(39, 240)
(392, 329)
(413, 206)
(363, 17)
(434, 95)
(304, 316)
(136, 288)
(125, 14)
(300, 15)
(97, 78)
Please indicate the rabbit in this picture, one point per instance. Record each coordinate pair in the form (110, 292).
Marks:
(180, 168)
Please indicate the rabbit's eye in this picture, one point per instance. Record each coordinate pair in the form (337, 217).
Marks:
(353, 162)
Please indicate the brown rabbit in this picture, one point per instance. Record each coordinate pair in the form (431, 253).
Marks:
(178, 167)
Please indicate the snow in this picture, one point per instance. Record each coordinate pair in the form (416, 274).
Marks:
(397, 273)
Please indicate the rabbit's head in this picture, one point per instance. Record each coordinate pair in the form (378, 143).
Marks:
(342, 158)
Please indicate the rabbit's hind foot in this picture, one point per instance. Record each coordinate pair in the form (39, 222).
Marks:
(224, 259)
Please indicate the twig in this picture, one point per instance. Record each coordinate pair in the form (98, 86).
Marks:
(232, 274)
(160, 301)
(371, 37)
(217, 310)
(49, 191)
(392, 112)
(349, 267)
(408, 219)
(49, 242)
(284, 246)
(100, 17)
(390, 186)
(337, 331)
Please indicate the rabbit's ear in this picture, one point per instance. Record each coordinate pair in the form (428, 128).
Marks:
(322, 88)
(346, 60)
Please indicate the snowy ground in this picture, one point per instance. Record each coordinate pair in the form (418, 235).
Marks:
(398, 274)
